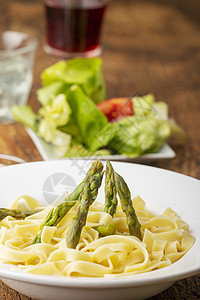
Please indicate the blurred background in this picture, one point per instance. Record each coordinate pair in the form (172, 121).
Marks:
(148, 47)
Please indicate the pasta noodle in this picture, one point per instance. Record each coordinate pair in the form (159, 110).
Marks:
(166, 239)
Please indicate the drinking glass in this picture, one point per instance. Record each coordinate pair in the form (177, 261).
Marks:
(73, 27)
(17, 52)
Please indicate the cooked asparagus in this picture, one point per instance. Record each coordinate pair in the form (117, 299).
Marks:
(105, 230)
(110, 190)
(87, 197)
(95, 168)
(16, 213)
(79, 219)
(127, 206)
(57, 213)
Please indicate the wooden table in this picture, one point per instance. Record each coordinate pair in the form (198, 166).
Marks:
(149, 47)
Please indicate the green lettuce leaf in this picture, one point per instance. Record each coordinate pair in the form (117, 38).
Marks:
(24, 115)
(48, 131)
(93, 126)
(143, 105)
(134, 136)
(46, 123)
(47, 94)
(57, 112)
(84, 72)
(78, 150)
(146, 131)
(71, 128)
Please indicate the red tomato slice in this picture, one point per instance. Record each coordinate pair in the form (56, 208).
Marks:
(116, 108)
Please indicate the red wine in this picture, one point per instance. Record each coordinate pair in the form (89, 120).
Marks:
(74, 29)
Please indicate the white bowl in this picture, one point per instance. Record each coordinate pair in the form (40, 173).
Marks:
(158, 188)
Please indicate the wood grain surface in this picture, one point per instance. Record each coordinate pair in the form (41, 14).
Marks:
(149, 46)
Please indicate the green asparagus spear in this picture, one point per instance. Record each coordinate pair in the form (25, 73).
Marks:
(16, 213)
(87, 197)
(105, 230)
(110, 201)
(110, 190)
(127, 206)
(95, 168)
(54, 217)
(57, 213)
(79, 219)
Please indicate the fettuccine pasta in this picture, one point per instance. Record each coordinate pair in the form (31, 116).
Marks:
(166, 239)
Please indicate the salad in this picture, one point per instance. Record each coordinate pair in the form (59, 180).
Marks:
(77, 119)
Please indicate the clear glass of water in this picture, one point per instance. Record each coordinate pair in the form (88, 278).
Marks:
(17, 52)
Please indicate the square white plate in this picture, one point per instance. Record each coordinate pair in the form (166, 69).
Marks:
(48, 152)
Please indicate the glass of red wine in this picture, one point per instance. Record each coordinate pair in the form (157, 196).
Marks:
(73, 27)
